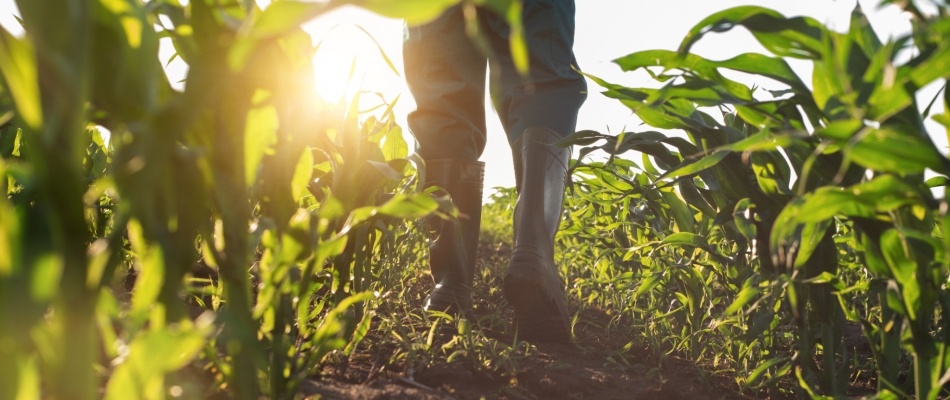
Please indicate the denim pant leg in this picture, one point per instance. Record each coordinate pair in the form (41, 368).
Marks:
(554, 93)
(446, 76)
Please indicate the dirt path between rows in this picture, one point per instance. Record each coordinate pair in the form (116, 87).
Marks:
(581, 370)
(553, 372)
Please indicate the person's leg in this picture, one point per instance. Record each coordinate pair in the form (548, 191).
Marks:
(446, 76)
(535, 114)
(555, 91)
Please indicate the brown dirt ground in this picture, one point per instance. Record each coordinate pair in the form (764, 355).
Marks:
(575, 371)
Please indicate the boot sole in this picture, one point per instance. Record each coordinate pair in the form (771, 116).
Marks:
(539, 319)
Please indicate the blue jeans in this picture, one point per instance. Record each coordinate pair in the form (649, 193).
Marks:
(446, 75)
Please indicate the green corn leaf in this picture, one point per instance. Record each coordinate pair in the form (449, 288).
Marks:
(327, 336)
(783, 112)
(886, 149)
(580, 138)
(874, 258)
(882, 194)
(260, 134)
(46, 273)
(894, 300)
(762, 141)
(648, 165)
(773, 174)
(389, 63)
(151, 355)
(409, 206)
(807, 386)
(395, 145)
(862, 33)
(887, 101)
(28, 385)
(415, 12)
(681, 212)
(517, 44)
(701, 92)
(798, 37)
(18, 67)
(745, 296)
(649, 283)
(283, 16)
(657, 117)
(935, 67)
(824, 277)
(359, 334)
(752, 63)
(757, 374)
(744, 220)
(686, 239)
(150, 264)
(937, 181)
(901, 260)
(10, 237)
(694, 198)
(386, 170)
(702, 164)
(812, 235)
(303, 173)
(887, 395)
(760, 322)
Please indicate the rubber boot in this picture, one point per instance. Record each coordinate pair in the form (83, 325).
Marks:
(453, 246)
(532, 285)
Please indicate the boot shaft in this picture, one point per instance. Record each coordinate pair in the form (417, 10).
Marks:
(532, 283)
(541, 174)
(453, 246)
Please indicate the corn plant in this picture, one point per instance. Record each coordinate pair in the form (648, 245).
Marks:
(242, 222)
(775, 266)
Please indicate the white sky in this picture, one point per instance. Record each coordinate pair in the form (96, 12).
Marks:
(606, 29)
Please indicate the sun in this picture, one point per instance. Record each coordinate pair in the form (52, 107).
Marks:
(352, 48)
(357, 50)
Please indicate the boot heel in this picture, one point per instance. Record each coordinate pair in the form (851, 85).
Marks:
(537, 313)
(449, 299)
(523, 290)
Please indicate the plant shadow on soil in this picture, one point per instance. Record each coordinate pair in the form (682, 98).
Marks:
(580, 370)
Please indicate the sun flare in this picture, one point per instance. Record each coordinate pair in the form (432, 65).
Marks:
(352, 49)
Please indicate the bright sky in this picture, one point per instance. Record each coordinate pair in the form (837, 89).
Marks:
(606, 29)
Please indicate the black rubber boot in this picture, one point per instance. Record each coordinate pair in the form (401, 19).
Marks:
(453, 247)
(532, 285)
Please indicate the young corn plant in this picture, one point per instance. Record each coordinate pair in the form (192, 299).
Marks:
(271, 209)
(856, 235)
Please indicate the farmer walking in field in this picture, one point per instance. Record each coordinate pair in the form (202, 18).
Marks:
(446, 75)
